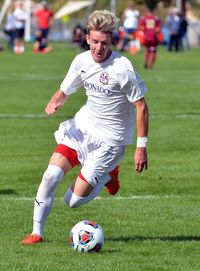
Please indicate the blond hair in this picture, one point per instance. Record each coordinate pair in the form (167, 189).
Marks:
(102, 20)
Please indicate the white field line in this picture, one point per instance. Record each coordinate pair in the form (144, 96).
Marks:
(144, 197)
(152, 115)
(23, 116)
(30, 77)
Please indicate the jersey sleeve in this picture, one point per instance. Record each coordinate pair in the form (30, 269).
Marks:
(72, 80)
(135, 87)
(130, 82)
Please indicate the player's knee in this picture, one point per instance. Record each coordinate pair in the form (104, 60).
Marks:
(49, 176)
(52, 175)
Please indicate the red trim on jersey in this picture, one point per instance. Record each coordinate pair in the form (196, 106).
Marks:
(68, 153)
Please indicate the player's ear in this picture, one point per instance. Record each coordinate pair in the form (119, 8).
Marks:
(87, 39)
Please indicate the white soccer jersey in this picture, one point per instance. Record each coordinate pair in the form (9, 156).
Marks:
(131, 18)
(20, 16)
(111, 87)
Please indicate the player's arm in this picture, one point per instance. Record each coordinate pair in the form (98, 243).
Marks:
(158, 26)
(56, 101)
(142, 122)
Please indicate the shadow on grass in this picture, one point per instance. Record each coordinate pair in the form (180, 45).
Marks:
(8, 192)
(155, 238)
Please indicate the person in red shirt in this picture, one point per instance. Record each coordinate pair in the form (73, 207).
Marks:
(44, 18)
(150, 25)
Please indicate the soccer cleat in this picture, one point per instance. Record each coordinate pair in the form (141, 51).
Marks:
(32, 239)
(112, 187)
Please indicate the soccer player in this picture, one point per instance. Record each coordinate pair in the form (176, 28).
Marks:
(96, 137)
(150, 24)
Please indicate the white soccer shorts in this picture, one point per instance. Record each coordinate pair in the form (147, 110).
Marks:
(96, 157)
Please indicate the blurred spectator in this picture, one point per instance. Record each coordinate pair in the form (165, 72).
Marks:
(130, 22)
(44, 17)
(133, 42)
(20, 17)
(78, 38)
(116, 37)
(184, 42)
(151, 26)
(9, 28)
(173, 25)
(40, 44)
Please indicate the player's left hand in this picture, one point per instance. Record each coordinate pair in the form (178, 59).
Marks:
(140, 159)
(52, 107)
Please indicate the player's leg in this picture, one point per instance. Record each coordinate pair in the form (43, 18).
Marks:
(152, 57)
(62, 160)
(152, 60)
(97, 172)
(81, 192)
(146, 56)
(46, 191)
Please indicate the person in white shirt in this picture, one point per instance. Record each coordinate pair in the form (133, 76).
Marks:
(96, 137)
(130, 22)
(20, 17)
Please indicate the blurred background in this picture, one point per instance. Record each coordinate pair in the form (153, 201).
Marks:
(67, 15)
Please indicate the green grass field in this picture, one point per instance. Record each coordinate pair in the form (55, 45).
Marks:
(153, 224)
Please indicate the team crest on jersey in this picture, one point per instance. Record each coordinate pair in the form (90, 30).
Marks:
(104, 78)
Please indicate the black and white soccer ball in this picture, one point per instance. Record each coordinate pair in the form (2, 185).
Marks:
(87, 236)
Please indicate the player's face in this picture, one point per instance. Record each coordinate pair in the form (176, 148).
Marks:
(99, 43)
